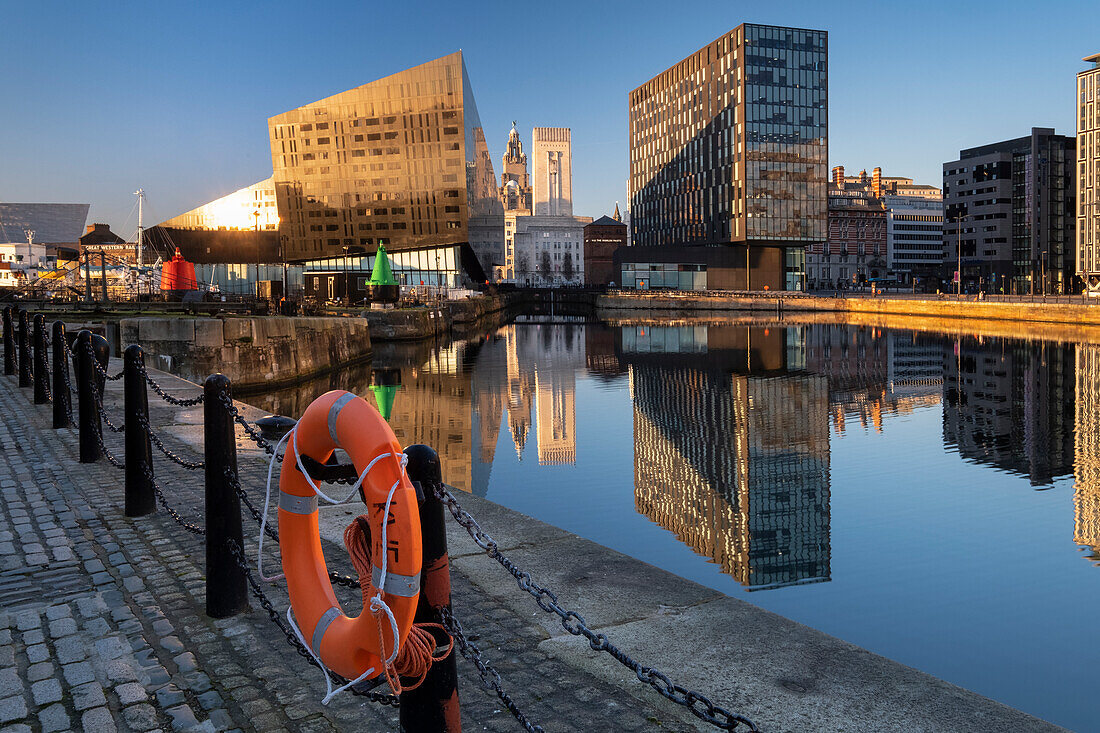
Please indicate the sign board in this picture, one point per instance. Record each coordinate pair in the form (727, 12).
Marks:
(955, 279)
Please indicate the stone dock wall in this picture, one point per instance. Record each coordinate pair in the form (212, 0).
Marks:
(254, 352)
(1051, 311)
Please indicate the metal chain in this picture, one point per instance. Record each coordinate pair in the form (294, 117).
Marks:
(99, 399)
(46, 364)
(270, 531)
(103, 448)
(192, 528)
(143, 423)
(574, 623)
(254, 434)
(490, 678)
(167, 397)
(291, 637)
(103, 370)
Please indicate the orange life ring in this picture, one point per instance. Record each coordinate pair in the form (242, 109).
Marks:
(350, 646)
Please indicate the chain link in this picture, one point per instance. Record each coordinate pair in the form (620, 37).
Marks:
(103, 448)
(101, 369)
(143, 423)
(46, 364)
(574, 623)
(99, 398)
(291, 637)
(252, 433)
(167, 397)
(490, 678)
(192, 528)
(271, 532)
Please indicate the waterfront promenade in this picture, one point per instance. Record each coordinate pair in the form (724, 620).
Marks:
(102, 624)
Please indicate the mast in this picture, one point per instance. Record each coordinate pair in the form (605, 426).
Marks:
(140, 193)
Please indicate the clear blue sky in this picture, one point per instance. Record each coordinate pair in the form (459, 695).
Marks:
(101, 98)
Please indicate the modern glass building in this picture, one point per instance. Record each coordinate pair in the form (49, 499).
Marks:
(729, 153)
(1088, 174)
(401, 161)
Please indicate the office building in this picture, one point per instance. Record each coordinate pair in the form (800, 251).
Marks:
(914, 238)
(401, 161)
(42, 223)
(546, 251)
(1009, 208)
(728, 164)
(865, 233)
(552, 151)
(601, 238)
(1088, 174)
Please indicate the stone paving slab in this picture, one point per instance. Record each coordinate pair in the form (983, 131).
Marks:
(102, 623)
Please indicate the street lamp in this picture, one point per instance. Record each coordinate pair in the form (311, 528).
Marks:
(346, 292)
(256, 228)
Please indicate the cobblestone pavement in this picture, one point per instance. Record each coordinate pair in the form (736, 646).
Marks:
(102, 623)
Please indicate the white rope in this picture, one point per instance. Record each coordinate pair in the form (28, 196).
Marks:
(376, 603)
(329, 692)
(267, 501)
(317, 489)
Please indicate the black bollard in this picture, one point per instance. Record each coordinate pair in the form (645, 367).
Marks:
(433, 706)
(41, 372)
(9, 342)
(140, 499)
(25, 377)
(62, 400)
(226, 589)
(89, 415)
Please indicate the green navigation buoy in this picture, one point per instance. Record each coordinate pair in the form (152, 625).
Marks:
(382, 274)
(383, 397)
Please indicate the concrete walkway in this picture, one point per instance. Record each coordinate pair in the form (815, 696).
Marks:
(102, 624)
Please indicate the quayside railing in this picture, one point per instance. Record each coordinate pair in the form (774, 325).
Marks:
(41, 362)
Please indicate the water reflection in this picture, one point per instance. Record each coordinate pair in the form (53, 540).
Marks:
(731, 447)
(732, 422)
(908, 492)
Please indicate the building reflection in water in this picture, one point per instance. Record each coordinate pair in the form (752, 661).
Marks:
(1086, 451)
(731, 447)
(1009, 404)
(732, 422)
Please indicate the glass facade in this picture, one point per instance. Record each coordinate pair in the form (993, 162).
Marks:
(786, 123)
(1088, 174)
(731, 144)
(401, 161)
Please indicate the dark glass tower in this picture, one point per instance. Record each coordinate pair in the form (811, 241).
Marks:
(730, 147)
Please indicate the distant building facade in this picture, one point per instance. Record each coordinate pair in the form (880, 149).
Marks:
(914, 237)
(1088, 175)
(552, 150)
(42, 223)
(401, 161)
(548, 250)
(866, 236)
(601, 239)
(1009, 207)
(728, 156)
(515, 186)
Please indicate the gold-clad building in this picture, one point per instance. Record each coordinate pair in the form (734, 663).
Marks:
(400, 161)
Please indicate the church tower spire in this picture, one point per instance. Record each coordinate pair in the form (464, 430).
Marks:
(515, 188)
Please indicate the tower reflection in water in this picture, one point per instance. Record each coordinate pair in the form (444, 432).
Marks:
(732, 423)
(731, 447)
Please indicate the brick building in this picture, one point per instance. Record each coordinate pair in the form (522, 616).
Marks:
(601, 238)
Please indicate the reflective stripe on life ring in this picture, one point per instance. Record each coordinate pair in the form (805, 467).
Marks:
(349, 646)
